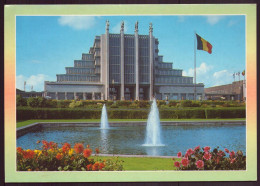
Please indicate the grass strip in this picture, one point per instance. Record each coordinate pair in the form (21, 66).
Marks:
(142, 163)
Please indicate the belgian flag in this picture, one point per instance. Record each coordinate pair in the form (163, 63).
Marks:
(202, 44)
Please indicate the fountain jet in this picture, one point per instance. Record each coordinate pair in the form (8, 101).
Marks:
(153, 129)
(104, 121)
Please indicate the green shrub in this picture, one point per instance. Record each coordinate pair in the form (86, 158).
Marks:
(63, 103)
(173, 103)
(76, 104)
(142, 104)
(36, 102)
(123, 103)
(225, 113)
(26, 113)
(186, 103)
(20, 101)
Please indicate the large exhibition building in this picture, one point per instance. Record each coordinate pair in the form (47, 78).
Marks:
(123, 67)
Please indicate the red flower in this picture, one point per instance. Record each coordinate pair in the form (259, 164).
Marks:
(177, 164)
(197, 148)
(232, 154)
(207, 156)
(89, 166)
(29, 154)
(189, 152)
(232, 160)
(45, 144)
(200, 164)
(87, 153)
(19, 150)
(59, 156)
(78, 148)
(226, 150)
(179, 154)
(66, 147)
(185, 162)
(101, 166)
(95, 166)
(97, 151)
(52, 145)
(206, 149)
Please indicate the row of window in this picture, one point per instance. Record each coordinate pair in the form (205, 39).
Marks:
(165, 65)
(175, 80)
(79, 63)
(169, 72)
(78, 78)
(80, 70)
(87, 57)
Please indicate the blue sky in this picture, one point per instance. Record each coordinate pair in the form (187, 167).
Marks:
(45, 45)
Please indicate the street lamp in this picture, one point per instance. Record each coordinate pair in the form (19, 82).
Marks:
(113, 82)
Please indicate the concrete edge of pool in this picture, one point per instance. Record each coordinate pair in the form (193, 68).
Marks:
(32, 127)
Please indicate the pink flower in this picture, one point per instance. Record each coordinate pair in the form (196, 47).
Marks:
(189, 152)
(206, 149)
(232, 160)
(177, 164)
(232, 154)
(207, 156)
(197, 148)
(185, 162)
(220, 153)
(179, 154)
(200, 164)
(226, 150)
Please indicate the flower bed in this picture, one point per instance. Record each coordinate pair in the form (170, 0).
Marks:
(204, 159)
(52, 158)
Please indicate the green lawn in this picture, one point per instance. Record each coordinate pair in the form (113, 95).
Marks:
(143, 163)
(28, 122)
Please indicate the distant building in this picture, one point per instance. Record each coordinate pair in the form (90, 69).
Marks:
(123, 67)
(29, 94)
(234, 91)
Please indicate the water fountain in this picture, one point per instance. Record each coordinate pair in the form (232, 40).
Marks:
(104, 121)
(153, 129)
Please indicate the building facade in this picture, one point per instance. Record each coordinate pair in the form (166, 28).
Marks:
(123, 67)
(234, 91)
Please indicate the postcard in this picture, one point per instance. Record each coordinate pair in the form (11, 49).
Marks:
(115, 93)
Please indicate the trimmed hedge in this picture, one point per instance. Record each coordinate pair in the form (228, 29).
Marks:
(26, 113)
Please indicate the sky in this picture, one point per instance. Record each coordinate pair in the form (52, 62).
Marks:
(45, 45)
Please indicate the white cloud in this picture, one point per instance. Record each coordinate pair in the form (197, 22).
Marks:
(37, 81)
(77, 22)
(214, 19)
(117, 27)
(201, 70)
(222, 77)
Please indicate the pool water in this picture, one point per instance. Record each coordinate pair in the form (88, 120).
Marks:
(130, 140)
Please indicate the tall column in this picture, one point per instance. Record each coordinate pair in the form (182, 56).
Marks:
(75, 95)
(84, 95)
(151, 47)
(107, 62)
(136, 62)
(66, 97)
(122, 59)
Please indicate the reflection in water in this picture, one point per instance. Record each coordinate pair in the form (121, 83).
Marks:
(104, 141)
(153, 150)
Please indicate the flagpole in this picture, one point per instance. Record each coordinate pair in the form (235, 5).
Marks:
(195, 65)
